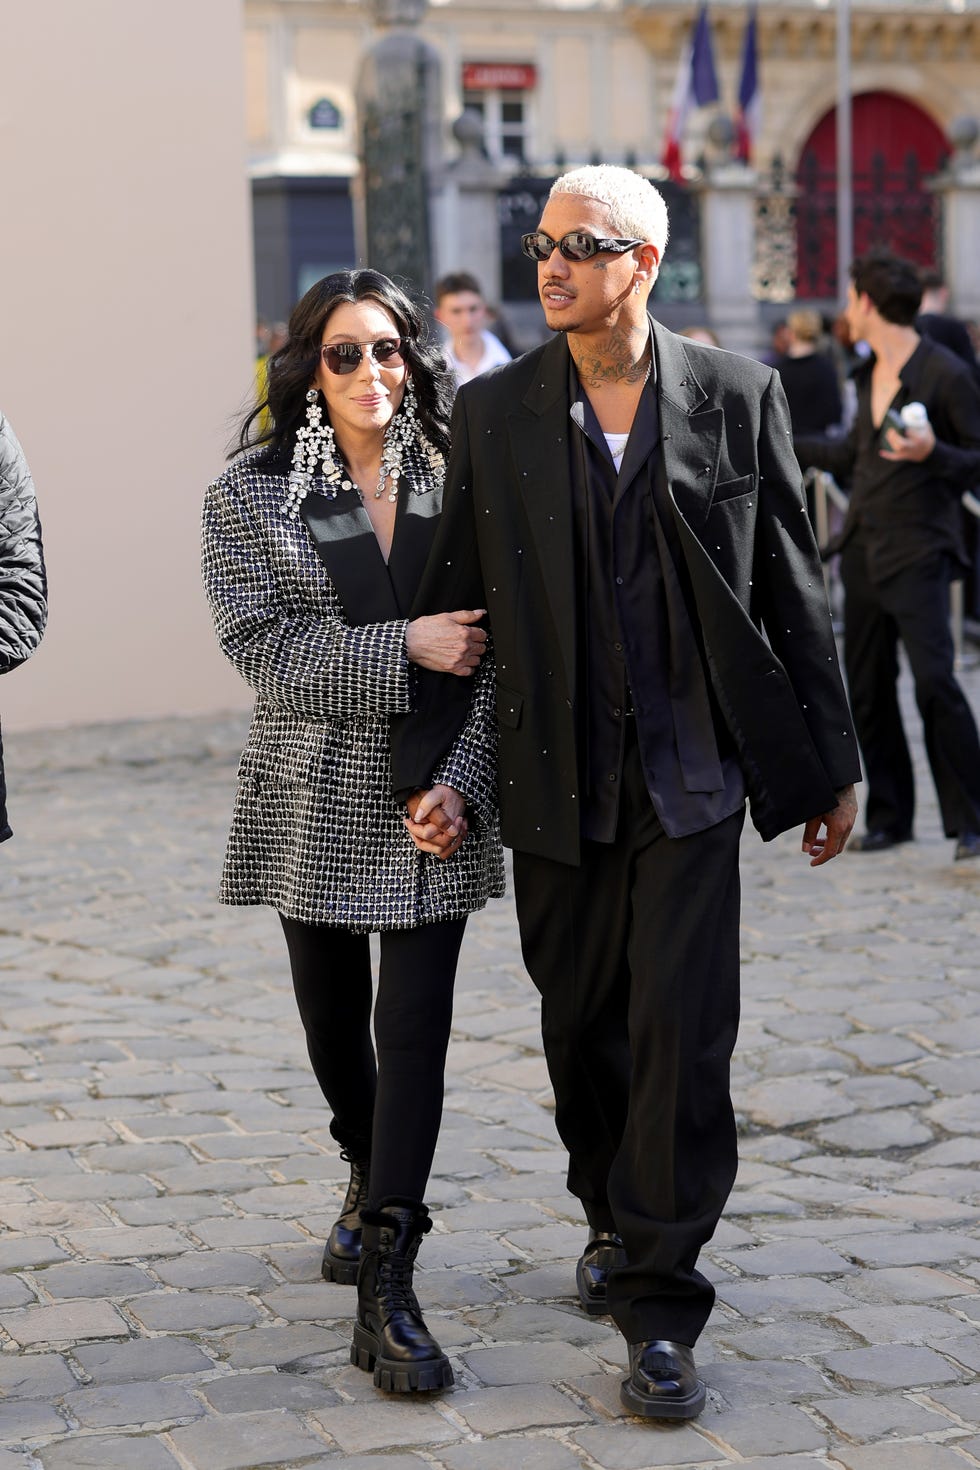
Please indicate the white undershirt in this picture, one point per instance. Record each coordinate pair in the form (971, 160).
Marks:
(617, 448)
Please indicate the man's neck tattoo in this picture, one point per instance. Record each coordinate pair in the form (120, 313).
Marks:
(612, 360)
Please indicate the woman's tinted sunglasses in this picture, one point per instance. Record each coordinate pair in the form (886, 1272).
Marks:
(346, 357)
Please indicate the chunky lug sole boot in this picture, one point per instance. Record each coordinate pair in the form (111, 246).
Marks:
(342, 1253)
(390, 1336)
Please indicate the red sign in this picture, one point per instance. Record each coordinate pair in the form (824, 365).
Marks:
(502, 76)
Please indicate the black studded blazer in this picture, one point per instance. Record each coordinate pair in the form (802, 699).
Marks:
(505, 542)
(314, 621)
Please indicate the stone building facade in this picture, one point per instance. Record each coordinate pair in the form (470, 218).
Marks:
(558, 82)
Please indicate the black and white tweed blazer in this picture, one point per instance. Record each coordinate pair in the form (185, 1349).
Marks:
(312, 618)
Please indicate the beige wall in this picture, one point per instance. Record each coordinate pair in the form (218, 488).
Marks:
(258, 85)
(125, 268)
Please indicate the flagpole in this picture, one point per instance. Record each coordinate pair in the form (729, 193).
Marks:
(845, 175)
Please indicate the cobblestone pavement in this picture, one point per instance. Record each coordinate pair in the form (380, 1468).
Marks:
(166, 1174)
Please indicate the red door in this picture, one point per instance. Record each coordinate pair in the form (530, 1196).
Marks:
(897, 147)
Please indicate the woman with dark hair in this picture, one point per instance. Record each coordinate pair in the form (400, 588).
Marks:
(315, 538)
(809, 377)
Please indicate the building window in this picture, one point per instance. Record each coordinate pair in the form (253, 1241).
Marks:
(504, 118)
(501, 94)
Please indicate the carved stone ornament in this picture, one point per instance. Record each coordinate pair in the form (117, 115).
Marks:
(397, 12)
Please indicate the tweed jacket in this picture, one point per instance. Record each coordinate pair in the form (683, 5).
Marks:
(735, 493)
(307, 612)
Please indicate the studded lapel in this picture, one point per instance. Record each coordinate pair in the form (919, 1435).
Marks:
(539, 435)
(691, 434)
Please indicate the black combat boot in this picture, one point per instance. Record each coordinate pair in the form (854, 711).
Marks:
(390, 1335)
(342, 1253)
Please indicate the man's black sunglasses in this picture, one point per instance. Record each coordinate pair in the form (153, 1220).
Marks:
(576, 245)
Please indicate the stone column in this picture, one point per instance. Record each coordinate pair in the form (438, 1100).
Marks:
(728, 253)
(467, 235)
(961, 225)
(959, 191)
(399, 104)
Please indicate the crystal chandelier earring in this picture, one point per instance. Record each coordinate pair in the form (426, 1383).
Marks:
(412, 451)
(315, 445)
(401, 441)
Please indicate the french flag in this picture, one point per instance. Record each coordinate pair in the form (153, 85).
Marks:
(749, 111)
(696, 85)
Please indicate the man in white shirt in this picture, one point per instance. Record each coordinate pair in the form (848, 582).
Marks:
(461, 309)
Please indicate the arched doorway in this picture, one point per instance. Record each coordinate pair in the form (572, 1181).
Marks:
(897, 147)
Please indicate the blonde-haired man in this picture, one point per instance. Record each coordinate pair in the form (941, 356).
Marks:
(628, 507)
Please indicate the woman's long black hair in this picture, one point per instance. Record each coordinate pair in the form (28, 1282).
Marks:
(291, 369)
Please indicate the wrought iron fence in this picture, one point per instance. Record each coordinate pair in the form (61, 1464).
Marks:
(796, 224)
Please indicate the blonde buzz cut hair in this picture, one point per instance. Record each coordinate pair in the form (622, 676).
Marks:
(635, 207)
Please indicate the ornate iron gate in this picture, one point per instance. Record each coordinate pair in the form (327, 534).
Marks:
(891, 207)
(796, 225)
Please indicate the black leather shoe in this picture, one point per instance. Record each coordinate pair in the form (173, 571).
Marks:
(876, 842)
(663, 1382)
(603, 1252)
(967, 846)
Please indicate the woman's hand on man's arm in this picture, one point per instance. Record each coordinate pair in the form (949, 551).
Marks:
(448, 643)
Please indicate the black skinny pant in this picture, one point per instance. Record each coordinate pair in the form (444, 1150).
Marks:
(388, 1107)
(635, 953)
(912, 606)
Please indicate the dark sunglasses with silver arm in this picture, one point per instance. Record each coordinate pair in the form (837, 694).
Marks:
(577, 245)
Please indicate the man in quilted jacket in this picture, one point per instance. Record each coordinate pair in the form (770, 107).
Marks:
(23, 585)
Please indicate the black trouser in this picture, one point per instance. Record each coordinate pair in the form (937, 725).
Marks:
(912, 606)
(635, 953)
(390, 1108)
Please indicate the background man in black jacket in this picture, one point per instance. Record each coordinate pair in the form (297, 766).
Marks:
(629, 507)
(902, 540)
(934, 320)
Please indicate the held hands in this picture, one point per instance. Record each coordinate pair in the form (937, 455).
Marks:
(448, 643)
(914, 445)
(436, 822)
(838, 824)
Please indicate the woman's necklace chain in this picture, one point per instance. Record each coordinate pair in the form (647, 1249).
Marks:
(390, 469)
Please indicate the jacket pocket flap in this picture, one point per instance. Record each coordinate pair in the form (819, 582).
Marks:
(732, 489)
(509, 706)
(259, 765)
